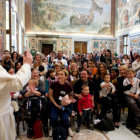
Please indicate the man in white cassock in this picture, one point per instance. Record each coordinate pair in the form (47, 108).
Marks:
(11, 83)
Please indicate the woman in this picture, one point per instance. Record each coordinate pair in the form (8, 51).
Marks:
(18, 65)
(35, 75)
(118, 82)
(56, 92)
(38, 62)
(84, 66)
(44, 102)
(126, 60)
(114, 73)
(98, 79)
(14, 57)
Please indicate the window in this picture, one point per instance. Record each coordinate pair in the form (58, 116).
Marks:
(8, 24)
(125, 44)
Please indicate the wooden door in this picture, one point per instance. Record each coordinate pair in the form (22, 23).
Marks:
(47, 48)
(77, 47)
(84, 47)
(80, 47)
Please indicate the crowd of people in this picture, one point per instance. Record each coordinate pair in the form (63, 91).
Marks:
(62, 86)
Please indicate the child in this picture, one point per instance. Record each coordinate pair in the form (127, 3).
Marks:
(67, 101)
(85, 108)
(50, 78)
(106, 87)
(132, 97)
(107, 99)
(91, 67)
(134, 90)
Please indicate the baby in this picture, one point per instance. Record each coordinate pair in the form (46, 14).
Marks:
(106, 87)
(67, 103)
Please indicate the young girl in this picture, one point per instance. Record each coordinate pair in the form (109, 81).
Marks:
(74, 75)
(85, 108)
(50, 78)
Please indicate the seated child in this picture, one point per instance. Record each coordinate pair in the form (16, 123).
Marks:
(85, 108)
(67, 102)
(14, 104)
(133, 95)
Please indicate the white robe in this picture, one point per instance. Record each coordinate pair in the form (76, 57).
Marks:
(10, 83)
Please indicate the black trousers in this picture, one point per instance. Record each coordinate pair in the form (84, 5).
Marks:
(45, 112)
(32, 116)
(85, 118)
(107, 103)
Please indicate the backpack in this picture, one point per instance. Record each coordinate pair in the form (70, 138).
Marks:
(105, 125)
(37, 128)
(60, 132)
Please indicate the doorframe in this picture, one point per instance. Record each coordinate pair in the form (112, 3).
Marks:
(47, 42)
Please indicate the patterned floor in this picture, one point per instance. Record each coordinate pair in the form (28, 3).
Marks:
(119, 134)
(82, 135)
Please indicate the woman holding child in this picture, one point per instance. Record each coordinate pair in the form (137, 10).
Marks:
(103, 85)
(56, 92)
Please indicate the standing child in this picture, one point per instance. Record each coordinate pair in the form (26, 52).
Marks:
(85, 108)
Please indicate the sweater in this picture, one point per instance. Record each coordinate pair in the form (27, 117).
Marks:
(85, 103)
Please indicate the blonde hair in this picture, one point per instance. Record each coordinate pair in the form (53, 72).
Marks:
(123, 66)
(131, 70)
(65, 72)
(33, 81)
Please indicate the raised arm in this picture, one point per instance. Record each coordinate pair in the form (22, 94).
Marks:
(12, 83)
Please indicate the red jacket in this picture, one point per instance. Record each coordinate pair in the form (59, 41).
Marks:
(85, 103)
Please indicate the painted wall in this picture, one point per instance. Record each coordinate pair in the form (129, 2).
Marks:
(73, 16)
(2, 26)
(67, 44)
(127, 17)
(135, 42)
(100, 45)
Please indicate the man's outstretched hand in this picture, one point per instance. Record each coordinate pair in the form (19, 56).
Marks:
(27, 58)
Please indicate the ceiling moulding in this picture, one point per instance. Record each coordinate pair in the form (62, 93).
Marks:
(65, 35)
